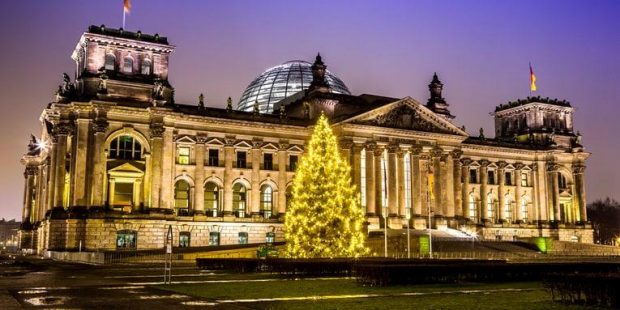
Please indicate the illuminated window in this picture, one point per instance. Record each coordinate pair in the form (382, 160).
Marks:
(472, 207)
(266, 201)
(384, 180)
(407, 171)
(363, 179)
(184, 238)
(109, 62)
(181, 197)
(490, 214)
(212, 199)
(243, 238)
(123, 194)
(241, 159)
(214, 238)
(507, 209)
(293, 162)
(268, 161)
(128, 65)
(146, 67)
(524, 179)
(270, 237)
(126, 239)
(125, 148)
(524, 215)
(214, 158)
(183, 155)
(239, 200)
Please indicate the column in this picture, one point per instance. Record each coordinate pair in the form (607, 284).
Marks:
(99, 163)
(51, 176)
(28, 191)
(465, 162)
(282, 157)
(199, 175)
(137, 183)
(167, 167)
(157, 131)
(111, 186)
(370, 179)
(483, 191)
(580, 191)
(438, 187)
(61, 131)
(517, 205)
(553, 191)
(79, 164)
(501, 166)
(400, 175)
(229, 151)
(425, 168)
(416, 180)
(449, 184)
(536, 199)
(255, 192)
(457, 184)
(393, 182)
(378, 181)
(356, 175)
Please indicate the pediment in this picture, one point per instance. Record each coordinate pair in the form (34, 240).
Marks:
(295, 149)
(214, 142)
(407, 114)
(127, 167)
(185, 139)
(269, 147)
(243, 145)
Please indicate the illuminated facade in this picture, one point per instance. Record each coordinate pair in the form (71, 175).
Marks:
(118, 160)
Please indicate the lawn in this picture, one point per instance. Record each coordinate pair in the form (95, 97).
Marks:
(328, 294)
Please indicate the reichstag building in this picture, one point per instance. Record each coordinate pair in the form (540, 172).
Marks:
(118, 160)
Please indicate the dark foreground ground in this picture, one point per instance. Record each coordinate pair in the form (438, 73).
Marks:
(37, 283)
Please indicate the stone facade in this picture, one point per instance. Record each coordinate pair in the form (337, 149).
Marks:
(119, 161)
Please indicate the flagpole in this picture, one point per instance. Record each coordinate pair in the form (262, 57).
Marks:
(123, 18)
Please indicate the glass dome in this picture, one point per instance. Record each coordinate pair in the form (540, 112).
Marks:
(282, 81)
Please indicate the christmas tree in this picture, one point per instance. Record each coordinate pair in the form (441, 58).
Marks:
(324, 218)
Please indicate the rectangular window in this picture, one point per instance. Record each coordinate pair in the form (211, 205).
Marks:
(243, 238)
(270, 237)
(363, 179)
(491, 177)
(292, 162)
(508, 178)
(183, 155)
(268, 161)
(126, 239)
(524, 179)
(241, 159)
(123, 194)
(214, 238)
(214, 158)
(184, 239)
(473, 176)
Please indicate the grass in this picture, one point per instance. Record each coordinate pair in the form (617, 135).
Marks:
(441, 296)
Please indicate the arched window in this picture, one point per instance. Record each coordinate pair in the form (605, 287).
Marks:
(181, 197)
(562, 184)
(472, 207)
(126, 148)
(110, 61)
(523, 211)
(128, 65)
(212, 199)
(266, 201)
(146, 67)
(507, 209)
(239, 200)
(490, 215)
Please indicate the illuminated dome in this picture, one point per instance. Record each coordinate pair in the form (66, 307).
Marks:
(283, 81)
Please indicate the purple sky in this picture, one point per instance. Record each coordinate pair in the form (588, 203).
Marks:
(480, 49)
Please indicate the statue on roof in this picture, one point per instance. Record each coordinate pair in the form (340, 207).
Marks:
(201, 101)
(33, 146)
(229, 105)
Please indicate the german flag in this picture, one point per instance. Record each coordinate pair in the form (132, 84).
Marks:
(532, 79)
(126, 6)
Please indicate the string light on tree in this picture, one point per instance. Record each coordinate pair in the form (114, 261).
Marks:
(324, 219)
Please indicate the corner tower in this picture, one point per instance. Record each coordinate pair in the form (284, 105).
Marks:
(113, 64)
(436, 102)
